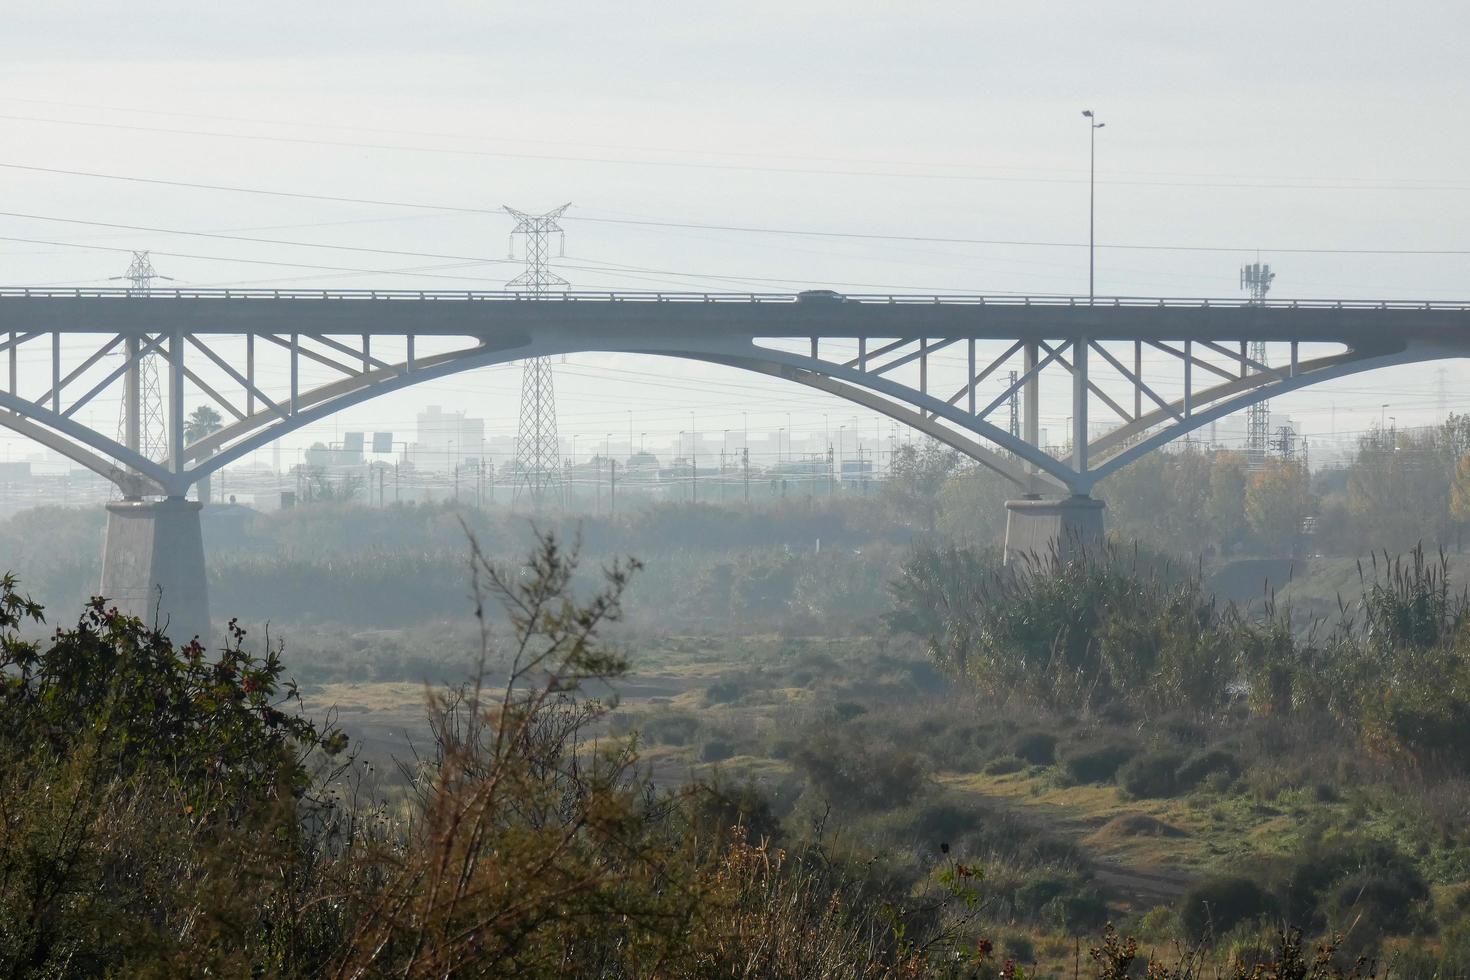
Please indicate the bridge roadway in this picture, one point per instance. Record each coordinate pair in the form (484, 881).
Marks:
(509, 318)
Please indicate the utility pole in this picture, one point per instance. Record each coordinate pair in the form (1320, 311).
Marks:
(537, 449)
(1256, 279)
(1094, 126)
(141, 424)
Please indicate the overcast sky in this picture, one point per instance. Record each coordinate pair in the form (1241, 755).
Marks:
(1314, 132)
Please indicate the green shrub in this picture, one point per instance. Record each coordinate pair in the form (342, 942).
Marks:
(716, 807)
(1453, 910)
(1374, 903)
(1037, 747)
(782, 748)
(1102, 630)
(130, 771)
(1152, 774)
(851, 769)
(1182, 729)
(1214, 907)
(1206, 763)
(134, 702)
(1091, 762)
(1018, 946)
(1004, 766)
(725, 691)
(716, 750)
(1159, 924)
(1314, 872)
(1079, 910)
(1066, 902)
(945, 821)
(669, 728)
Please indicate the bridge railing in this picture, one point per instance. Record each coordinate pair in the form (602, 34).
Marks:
(823, 301)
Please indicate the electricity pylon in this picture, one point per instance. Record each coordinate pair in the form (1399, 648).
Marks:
(141, 423)
(1015, 406)
(538, 464)
(1257, 279)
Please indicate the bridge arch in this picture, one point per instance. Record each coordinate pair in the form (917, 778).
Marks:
(921, 411)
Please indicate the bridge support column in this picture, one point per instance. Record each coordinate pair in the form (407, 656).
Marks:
(1066, 525)
(153, 565)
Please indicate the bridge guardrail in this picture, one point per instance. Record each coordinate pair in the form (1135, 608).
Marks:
(603, 296)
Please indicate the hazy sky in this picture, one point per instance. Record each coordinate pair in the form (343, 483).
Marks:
(1278, 127)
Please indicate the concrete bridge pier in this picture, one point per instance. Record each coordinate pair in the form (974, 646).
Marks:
(1036, 526)
(153, 566)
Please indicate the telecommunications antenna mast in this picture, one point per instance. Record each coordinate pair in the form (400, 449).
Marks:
(538, 464)
(1256, 279)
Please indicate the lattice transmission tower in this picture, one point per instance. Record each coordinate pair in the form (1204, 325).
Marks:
(1014, 402)
(538, 463)
(1256, 279)
(141, 422)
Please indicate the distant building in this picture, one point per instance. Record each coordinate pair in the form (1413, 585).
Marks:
(452, 437)
(324, 457)
(642, 467)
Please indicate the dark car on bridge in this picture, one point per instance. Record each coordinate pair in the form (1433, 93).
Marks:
(819, 296)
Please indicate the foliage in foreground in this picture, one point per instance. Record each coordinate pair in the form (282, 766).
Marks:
(166, 812)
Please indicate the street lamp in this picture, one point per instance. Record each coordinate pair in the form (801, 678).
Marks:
(1094, 126)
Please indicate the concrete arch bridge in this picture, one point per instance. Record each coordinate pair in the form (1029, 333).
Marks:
(1137, 373)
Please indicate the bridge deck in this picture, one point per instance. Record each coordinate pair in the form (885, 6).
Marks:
(508, 316)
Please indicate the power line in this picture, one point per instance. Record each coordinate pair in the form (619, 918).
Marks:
(245, 238)
(243, 261)
(1408, 183)
(747, 229)
(613, 268)
(685, 164)
(246, 190)
(742, 229)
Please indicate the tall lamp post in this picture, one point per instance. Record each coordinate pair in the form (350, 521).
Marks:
(1094, 126)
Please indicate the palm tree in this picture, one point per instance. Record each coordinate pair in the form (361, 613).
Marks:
(202, 422)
